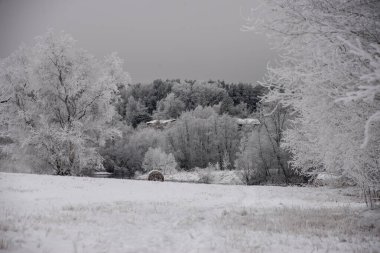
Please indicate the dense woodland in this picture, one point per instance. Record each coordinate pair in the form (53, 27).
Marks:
(205, 133)
(69, 114)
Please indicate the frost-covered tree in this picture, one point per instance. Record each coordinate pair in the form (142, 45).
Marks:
(275, 120)
(226, 162)
(169, 107)
(227, 139)
(126, 153)
(197, 93)
(251, 161)
(256, 156)
(59, 102)
(156, 159)
(136, 112)
(201, 136)
(329, 74)
(191, 139)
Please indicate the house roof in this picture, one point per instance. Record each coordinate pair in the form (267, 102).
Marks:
(160, 121)
(248, 121)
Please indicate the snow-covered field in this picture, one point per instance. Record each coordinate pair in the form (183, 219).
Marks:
(41, 213)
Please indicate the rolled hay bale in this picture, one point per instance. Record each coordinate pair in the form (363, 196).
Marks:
(155, 175)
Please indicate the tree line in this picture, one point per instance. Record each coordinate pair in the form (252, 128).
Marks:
(69, 113)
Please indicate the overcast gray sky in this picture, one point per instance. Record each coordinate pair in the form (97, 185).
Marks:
(192, 39)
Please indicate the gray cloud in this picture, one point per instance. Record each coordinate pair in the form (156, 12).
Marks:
(195, 39)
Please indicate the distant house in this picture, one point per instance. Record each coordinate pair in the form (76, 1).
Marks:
(160, 123)
(248, 123)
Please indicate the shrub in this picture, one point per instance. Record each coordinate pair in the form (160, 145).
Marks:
(156, 159)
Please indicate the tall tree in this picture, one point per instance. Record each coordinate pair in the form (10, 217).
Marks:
(328, 74)
(201, 136)
(60, 102)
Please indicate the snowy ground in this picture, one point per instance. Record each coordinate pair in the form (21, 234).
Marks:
(68, 214)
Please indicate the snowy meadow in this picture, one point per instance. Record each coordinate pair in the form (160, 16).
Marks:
(79, 214)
